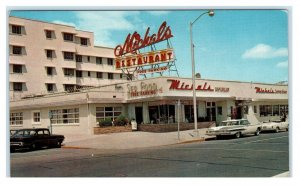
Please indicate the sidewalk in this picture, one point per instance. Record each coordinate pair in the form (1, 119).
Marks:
(130, 140)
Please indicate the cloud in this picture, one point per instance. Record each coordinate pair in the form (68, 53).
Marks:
(263, 51)
(64, 23)
(158, 13)
(284, 64)
(102, 23)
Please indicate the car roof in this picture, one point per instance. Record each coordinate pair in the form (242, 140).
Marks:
(24, 129)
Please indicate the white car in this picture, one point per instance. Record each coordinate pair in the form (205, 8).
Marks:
(275, 126)
(235, 127)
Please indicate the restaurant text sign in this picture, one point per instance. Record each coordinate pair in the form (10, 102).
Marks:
(269, 91)
(178, 85)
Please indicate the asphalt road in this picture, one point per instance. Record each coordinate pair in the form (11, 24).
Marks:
(256, 156)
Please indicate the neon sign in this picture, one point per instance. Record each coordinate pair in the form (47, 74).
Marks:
(135, 41)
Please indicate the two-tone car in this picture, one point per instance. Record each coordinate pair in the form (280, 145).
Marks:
(34, 138)
(275, 126)
(235, 127)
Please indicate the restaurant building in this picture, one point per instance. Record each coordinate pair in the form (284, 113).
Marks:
(60, 80)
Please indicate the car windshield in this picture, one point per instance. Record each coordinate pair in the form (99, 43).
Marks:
(228, 123)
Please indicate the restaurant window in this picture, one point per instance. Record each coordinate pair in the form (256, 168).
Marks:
(255, 109)
(275, 110)
(78, 74)
(48, 34)
(284, 109)
(68, 37)
(220, 111)
(36, 117)
(110, 61)
(17, 50)
(98, 60)
(16, 118)
(99, 75)
(17, 68)
(78, 58)
(64, 116)
(265, 110)
(245, 109)
(17, 86)
(83, 41)
(103, 113)
(68, 55)
(16, 29)
(110, 76)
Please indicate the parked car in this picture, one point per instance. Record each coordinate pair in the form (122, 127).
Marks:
(35, 138)
(275, 126)
(12, 132)
(235, 127)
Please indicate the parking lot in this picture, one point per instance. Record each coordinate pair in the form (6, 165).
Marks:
(255, 156)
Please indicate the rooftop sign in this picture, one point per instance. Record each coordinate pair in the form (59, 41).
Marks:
(135, 41)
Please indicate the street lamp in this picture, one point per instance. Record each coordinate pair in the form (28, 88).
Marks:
(211, 13)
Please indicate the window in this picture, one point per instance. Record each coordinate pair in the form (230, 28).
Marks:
(17, 86)
(83, 41)
(107, 112)
(50, 71)
(284, 109)
(49, 53)
(246, 109)
(265, 110)
(17, 50)
(89, 74)
(17, 68)
(110, 76)
(255, 109)
(99, 75)
(219, 110)
(16, 118)
(88, 58)
(68, 37)
(69, 72)
(275, 110)
(98, 60)
(121, 76)
(36, 117)
(65, 116)
(50, 87)
(78, 74)
(48, 34)
(110, 61)
(68, 55)
(78, 58)
(16, 29)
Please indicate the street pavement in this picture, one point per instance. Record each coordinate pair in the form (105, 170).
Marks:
(135, 139)
(266, 155)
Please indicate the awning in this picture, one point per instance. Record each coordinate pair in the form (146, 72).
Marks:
(49, 29)
(17, 23)
(17, 62)
(73, 50)
(17, 44)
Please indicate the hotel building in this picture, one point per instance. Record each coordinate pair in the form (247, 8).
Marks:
(68, 108)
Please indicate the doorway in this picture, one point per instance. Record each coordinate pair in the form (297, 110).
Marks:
(139, 114)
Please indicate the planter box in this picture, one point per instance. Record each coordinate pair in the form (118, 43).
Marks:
(112, 129)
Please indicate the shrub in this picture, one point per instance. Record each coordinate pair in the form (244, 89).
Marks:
(105, 123)
(121, 121)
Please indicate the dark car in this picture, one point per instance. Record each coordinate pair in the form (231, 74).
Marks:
(34, 138)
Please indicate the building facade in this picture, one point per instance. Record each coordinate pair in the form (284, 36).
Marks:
(162, 100)
(48, 58)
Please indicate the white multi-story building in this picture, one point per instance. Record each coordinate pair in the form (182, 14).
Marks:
(46, 58)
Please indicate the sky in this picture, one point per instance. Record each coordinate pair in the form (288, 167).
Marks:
(239, 45)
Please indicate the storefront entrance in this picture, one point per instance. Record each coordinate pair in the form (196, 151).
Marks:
(139, 114)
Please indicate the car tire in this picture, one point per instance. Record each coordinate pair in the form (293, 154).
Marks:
(277, 130)
(33, 146)
(58, 144)
(257, 132)
(237, 135)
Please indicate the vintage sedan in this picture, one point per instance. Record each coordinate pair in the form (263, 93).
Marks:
(34, 138)
(275, 126)
(235, 127)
